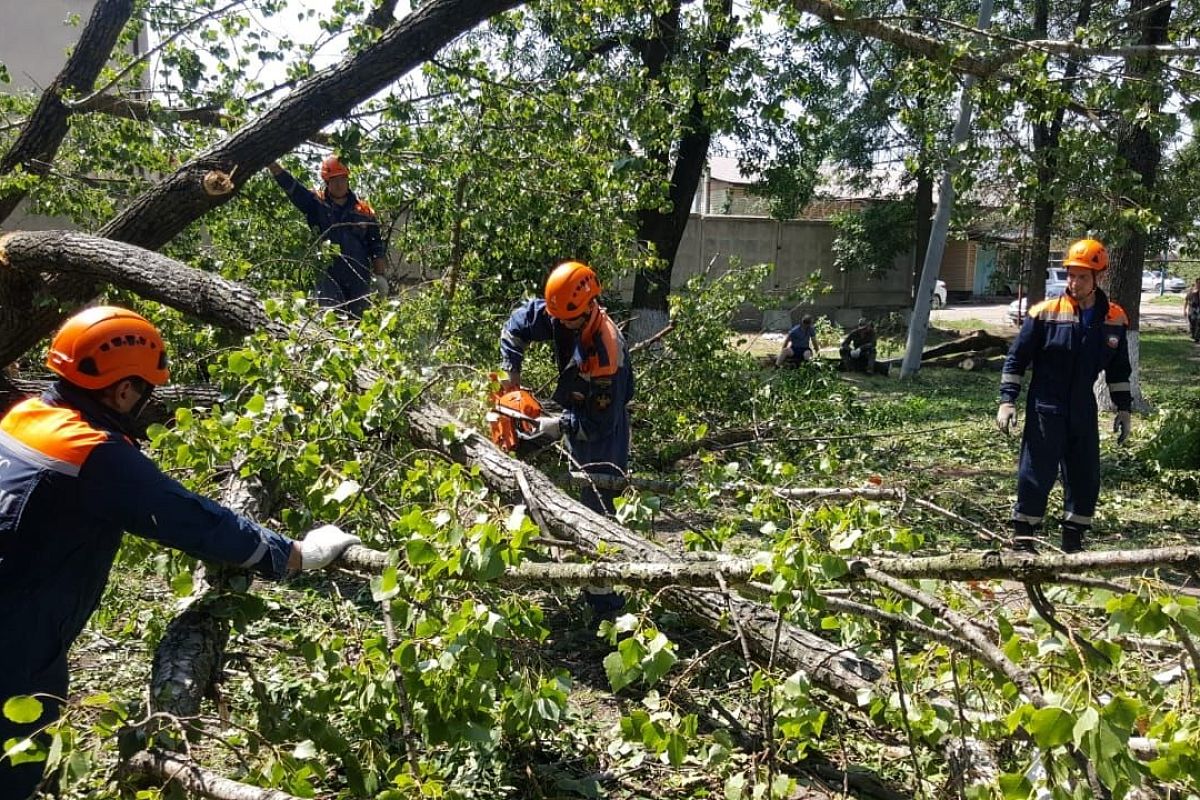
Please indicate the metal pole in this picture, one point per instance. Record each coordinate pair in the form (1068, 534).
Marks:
(918, 326)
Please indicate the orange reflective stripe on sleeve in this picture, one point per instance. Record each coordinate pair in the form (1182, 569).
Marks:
(51, 437)
(363, 207)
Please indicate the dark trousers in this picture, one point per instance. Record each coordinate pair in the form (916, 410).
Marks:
(1055, 446)
(345, 290)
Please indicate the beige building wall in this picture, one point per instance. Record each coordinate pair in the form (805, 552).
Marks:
(35, 37)
(798, 248)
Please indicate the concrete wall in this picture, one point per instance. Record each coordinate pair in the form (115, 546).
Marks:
(798, 248)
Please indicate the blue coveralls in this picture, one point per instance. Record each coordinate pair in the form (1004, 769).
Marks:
(1067, 351)
(353, 227)
(70, 483)
(595, 386)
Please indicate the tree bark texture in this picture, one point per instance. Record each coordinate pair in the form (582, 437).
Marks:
(160, 409)
(1046, 135)
(159, 214)
(171, 768)
(1140, 149)
(37, 144)
(189, 658)
(838, 672)
(209, 297)
(663, 231)
(1027, 568)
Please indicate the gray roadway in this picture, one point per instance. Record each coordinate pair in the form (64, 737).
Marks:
(996, 315)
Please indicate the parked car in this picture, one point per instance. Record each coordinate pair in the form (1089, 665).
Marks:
(939, 295)
(1151, 281)
(1056, 284)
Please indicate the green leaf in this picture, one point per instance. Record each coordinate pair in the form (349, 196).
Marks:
(1014, 786)
(614, 668)
(419, 552)
(181, 583)
(1051, 726)
(1088, 721)
(385, 585)
(22, 709)
(238, 363)
(676, 749)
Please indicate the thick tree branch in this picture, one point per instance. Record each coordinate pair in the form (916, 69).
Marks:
(160, 409)
(1024, 567)
(157, 277)
(161, 213)
(838, 672)
(43, 132)
(170, 768)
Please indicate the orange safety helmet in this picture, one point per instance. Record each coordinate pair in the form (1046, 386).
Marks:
(102, 345)
(1088, 254)
(331, 167)
(504, 426)
(569, 289)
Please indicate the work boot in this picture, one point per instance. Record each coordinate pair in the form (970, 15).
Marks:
(1025, 537)
(1072, 536)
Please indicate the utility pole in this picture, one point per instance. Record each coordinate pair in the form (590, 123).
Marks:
(918, 325)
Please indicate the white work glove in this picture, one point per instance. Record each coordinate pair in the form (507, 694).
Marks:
(323, 545)
(379, 285)
(856, 352)
(548, 426)
(1122, 424)
(1006, 418)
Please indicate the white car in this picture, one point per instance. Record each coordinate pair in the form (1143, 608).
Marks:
(1056, 284)
(1152, 280)
(939, 295)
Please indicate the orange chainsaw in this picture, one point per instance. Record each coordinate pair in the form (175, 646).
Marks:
(513, 421)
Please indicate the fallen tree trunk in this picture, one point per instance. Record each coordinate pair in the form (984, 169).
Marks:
(971, 343)
(839, 672)
(209, 297)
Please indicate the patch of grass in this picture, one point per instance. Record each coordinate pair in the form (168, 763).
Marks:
(935, 435)
(1167, 300)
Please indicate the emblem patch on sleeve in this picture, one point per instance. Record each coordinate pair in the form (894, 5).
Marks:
(1113, 340)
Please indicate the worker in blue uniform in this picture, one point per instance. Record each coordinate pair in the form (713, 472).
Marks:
(799, 345)
(1067, 341)
(594, 387)
(338, 216)
(71, 482)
